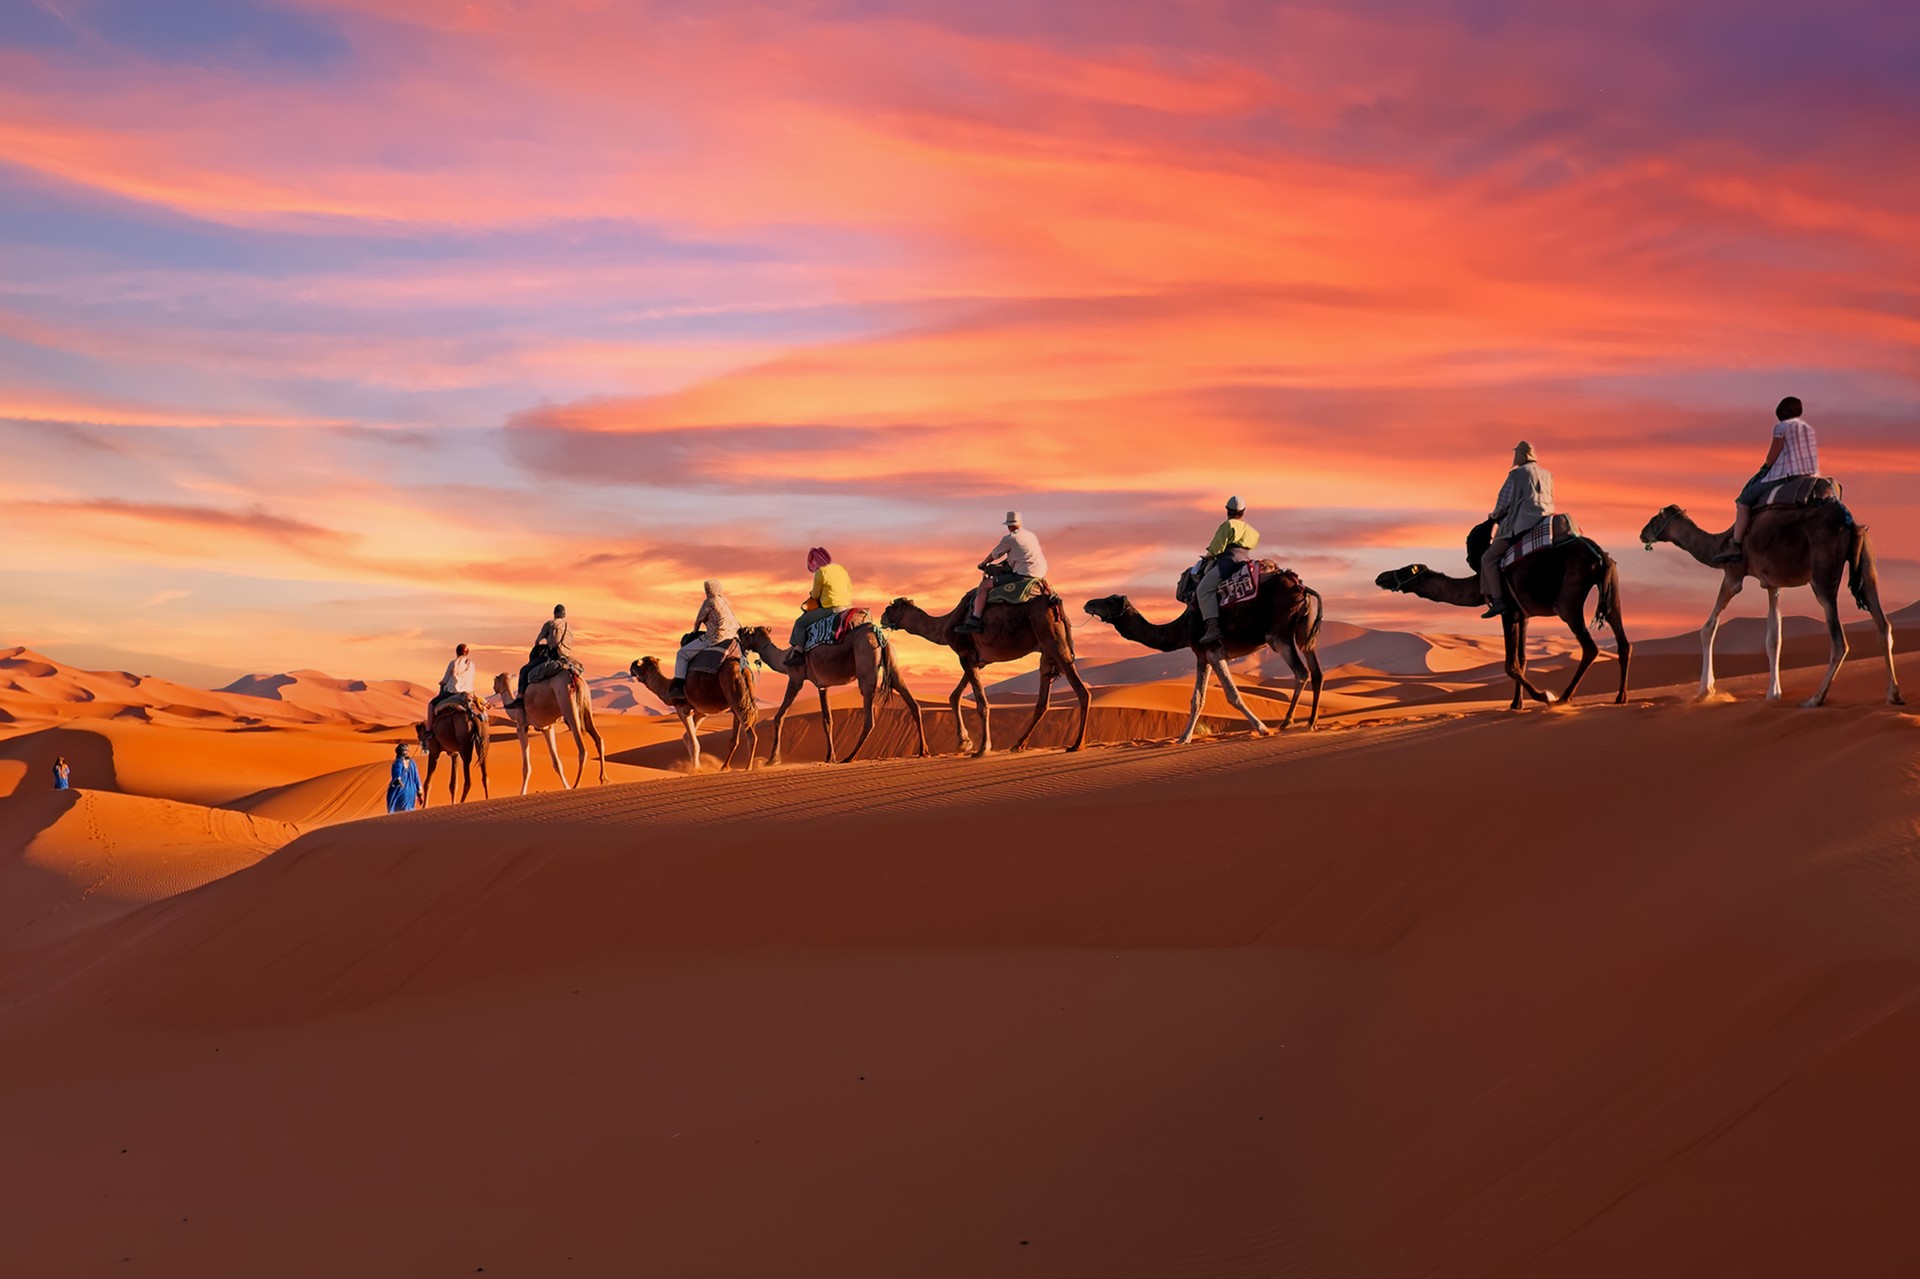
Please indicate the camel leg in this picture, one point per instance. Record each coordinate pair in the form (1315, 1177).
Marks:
(869, 686)
(691, 724)
(1047, 671)
(1517, 664)
(465, 760)
(960, 724)
(980, 700)
(1085, 697)
(480, 751)
(1200, 673)
(913, 709)
(1298, 666)
(1589, 650)
(599, 745)
(1730, 585)
(1836, 639)
(780, 716)
(1317, 678)
(1886, 645)
(826, 720)
(1232, 691)
(526, 759)
(552, 733)
(426, 787)
(1773, 644)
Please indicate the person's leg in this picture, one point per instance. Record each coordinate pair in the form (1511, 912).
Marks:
(685, 655)
(1207, 594)
(972, 623)
(1490, 584)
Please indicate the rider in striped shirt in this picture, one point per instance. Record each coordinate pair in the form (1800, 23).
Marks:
(1795, 451)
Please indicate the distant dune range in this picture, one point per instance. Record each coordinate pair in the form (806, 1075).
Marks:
(1434, 991)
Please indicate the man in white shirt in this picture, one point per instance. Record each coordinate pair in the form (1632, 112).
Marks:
(713, 626)
(459, 676)
(1795, 451)
(1018, 554)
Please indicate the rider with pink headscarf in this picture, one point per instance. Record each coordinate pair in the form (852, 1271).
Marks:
(832, 591)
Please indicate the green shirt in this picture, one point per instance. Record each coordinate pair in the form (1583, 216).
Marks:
(1234, 533)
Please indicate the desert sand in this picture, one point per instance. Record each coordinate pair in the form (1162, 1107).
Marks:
(1436, 990)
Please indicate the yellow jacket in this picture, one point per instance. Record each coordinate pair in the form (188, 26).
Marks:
(1234, 533)
(832, 587)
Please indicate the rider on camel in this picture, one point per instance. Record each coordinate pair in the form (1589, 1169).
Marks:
(553, 643)
(713, 627)
(1795, 451)
(456, 684)
(832, 591)
(1525, 503)
(1232, 546)
(1015, 555)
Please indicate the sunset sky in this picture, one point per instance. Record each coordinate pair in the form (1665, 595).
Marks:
(333, 332)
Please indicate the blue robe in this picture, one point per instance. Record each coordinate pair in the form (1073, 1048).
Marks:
(403, 790)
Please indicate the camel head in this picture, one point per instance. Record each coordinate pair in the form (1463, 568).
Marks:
(638, 670)
(1657, 527)
(1110, 609)
(423, 731)
(754, 638)
(1401, 579)
(896, 613)
(503, 686)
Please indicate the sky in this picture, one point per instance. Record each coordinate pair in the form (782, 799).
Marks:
(333, 332)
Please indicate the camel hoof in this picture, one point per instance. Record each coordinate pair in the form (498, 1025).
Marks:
(1812, 702)
(1896, 700)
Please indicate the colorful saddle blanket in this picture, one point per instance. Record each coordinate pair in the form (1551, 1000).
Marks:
(1245, 584)
(1801, 490)
(1017, 590)
(832, 627)
(708, 661)
(1557, 529)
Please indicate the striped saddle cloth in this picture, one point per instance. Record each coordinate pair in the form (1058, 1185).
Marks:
(1557, 529)
(1801, 490)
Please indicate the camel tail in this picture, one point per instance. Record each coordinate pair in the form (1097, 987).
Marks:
(1609, 591)
(1319, 616)
(1861, 578)
(884, 688)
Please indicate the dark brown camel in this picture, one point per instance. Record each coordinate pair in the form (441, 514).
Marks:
(707, 693)
(1286, 612)
(1012, 631)
(1550, 583)
(452, 729)
(548, 703)
(863, 657)
(1787, 546)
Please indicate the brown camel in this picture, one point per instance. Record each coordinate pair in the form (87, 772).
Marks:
(545, 705)
(1550, 583)
(1787, 546)
(707, 693)
(1285, 612)
(863, 656)
(1012, 631)
(452, 729)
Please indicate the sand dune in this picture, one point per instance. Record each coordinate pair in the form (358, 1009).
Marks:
(1273, 1007)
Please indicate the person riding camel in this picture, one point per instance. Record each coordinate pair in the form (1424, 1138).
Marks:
(554, 642)
(1016, 555)
(714, 626)
(1232, 546)
(456, 684)
(1794, 452)
(832, 591)
(1525, 502)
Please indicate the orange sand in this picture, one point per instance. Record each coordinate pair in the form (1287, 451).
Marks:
(1299, 1006)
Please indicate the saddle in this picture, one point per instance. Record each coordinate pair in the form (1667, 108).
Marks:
(551, 667)
(1800, 490)
(1237, 587)
(466, 703)
(1556, 529)
(834, 627)
(708, 661)
(1015, 589)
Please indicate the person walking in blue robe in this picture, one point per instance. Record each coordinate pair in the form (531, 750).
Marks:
(403, 789)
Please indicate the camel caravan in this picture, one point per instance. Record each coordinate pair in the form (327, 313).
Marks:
(1525, 560)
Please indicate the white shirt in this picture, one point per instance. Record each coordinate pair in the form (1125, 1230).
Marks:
(1022, 550)
(1799, 451)
(459, 676)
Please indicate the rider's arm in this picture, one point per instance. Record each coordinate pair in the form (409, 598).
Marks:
(1220, 538)
(1773, 453)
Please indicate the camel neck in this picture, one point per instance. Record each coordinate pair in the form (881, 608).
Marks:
(1164, 636)
(1462, 592)
(1696, 541)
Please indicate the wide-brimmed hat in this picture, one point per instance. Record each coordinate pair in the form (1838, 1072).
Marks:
(1013, 517)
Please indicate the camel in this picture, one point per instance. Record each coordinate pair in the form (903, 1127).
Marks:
(453, 730)
(863, 656)
(1012, 631)
(708, 693)
(1285, 612)
(1554, 582)
(545, 705)
(1787, 546)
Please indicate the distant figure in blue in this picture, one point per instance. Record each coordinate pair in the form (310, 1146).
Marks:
(403, 790)
(62, 775)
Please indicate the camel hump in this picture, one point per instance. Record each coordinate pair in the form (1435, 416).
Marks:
(1800, 490)
(1555, 530)
(708, 661)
